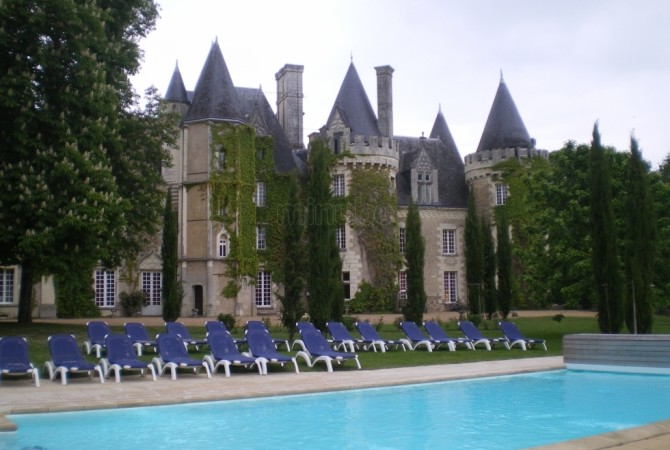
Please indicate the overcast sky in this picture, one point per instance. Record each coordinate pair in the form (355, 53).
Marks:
(566, 63)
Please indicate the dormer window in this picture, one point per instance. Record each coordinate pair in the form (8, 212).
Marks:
(424, 187)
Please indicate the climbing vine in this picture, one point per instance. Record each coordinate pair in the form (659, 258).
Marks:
(271, 216)
(373, 212)
(232, 185)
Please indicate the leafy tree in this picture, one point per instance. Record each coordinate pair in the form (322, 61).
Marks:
(640, 244)
(171, 289)
(294, 266)
(504, 263)
(326, 300)
(66, 86)
(660, 188)
(489, 279)
(605, 259)
(415, 248)
(474, 256)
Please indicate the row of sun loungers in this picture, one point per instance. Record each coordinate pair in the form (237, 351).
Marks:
(122, 351)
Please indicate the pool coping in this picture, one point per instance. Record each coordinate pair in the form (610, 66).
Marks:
(86, 394)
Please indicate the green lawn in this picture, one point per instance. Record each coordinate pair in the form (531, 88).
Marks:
(538, 327)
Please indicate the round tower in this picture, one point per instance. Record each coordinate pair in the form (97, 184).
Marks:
(505, 137)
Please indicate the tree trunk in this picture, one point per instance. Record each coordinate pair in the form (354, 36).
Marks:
(26, 295)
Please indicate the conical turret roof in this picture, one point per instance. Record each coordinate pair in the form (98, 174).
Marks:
(354, 107)
(176, 92)
(215, 96)
(441, 131)
(504, 126)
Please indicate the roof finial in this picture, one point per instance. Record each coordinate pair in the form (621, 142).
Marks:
(351, 55)
(439, 108)
(502, 81)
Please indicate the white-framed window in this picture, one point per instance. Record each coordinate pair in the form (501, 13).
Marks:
(263, 289)
(448, 242)
(261, 243)
(341, 237)
(450, 294)
(259, 194)
(152, 282)
(402, 239)
(222, 246)
(338, 185)
(425, 186)
(105, 288)
(402, 280)
(501, 194)
(6, 286)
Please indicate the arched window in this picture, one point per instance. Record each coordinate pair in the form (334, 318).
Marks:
(223, 245)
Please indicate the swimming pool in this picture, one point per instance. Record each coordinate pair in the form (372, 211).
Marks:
(505, 412)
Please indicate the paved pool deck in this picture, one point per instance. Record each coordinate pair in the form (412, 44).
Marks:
(18, 396)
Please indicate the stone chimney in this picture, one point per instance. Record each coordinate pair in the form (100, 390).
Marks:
(289, 102)
(385, 99)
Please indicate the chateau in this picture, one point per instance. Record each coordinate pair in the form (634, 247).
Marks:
(428, 170)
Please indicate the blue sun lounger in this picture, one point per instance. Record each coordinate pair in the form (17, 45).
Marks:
(341, 337)
(139, 336)
(172, 355)
(67, 358)
(475, 337)
(224, 352)
(260, 325)
(121, 356)
(417, 338)
(436, 332)
(179, 329)
(96, 331)
(515, 337)
(317, 350)
(261, 346)
(373, 339)
(15, 359)
(216, 326)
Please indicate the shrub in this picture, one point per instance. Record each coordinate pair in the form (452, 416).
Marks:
(349, 322)
(228, 320)
(476, 319)
(131, 303)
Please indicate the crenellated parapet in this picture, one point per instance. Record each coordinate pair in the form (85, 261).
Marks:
(374, 146)
(480, 163)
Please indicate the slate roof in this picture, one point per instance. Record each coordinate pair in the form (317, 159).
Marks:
(354, 106)
(215, 95)
(176, 92)
(442, 151)
(254, 103)
(504, 127)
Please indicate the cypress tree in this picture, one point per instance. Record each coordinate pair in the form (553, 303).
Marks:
(474, 257)
(504, 260)
(640, 244)
(489, 278)
(605, 260)
(326, 300)
(294, 281)
(415, 248)
(171, 289)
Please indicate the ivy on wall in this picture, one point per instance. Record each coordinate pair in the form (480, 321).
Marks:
(373, 212)
(271, 216)
(232, 184)
(239, 159)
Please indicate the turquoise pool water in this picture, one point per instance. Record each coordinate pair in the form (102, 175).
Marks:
(508, 412)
